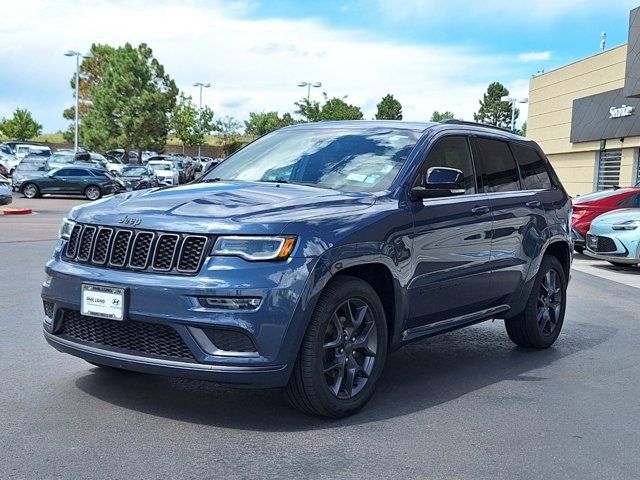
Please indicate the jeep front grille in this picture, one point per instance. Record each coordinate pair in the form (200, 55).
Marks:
(137, 250)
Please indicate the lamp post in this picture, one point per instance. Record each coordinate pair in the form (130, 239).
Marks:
(309, 85)
(73, 53)
(513, 101)
(201, 85)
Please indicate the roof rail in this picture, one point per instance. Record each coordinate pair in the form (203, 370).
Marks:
(454, 121)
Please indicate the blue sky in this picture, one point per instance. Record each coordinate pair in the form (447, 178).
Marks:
(430, 54)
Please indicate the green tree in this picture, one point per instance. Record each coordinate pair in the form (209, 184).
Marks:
(523, 129)
(389, 109)
(493, 111)
(21, 126)
(437, 116)
(229, 129)
(130, 102)
(189, 124)
(333, 109)
(310, 111)
(265, 122)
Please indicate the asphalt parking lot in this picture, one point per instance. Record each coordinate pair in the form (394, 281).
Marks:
(464, 405)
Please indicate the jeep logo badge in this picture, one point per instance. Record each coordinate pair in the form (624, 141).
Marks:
(127, 220)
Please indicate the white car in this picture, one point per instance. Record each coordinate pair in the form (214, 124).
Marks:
(5, 191)
(37, 150)
(615, 237)
(8, 161)
(165, 170)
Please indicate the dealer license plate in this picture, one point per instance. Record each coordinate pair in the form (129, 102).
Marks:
(104, 302)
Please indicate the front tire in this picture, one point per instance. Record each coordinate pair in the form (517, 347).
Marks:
(31, 190)
(92, 192)
(539, 324)
(343, 351)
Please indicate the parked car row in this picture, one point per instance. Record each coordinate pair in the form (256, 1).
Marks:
(606, 225)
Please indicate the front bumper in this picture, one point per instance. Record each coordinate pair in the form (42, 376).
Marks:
(614, 246)
(172, 301)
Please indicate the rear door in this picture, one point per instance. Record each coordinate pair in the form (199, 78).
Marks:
(451, 243)
(519, 221)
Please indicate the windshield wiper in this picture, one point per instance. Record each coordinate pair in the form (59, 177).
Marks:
(275, 181)
(211, 180)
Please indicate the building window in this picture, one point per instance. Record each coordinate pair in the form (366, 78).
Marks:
(608, 174)
(636, 180)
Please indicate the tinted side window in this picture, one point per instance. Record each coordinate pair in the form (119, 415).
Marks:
(532, 168)
(496, 167)
(63, 172)
(76, 172)
(632, 202)
(451, 152)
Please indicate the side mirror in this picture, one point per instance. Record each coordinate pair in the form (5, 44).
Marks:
(439, 182)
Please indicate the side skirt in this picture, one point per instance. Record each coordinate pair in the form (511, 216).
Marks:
(452, 323)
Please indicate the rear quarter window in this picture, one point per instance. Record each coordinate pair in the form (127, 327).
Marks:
(533, 168)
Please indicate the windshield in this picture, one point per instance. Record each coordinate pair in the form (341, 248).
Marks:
(31, 167)
(60, 158)
(160, 166)
(341, 158)
(134, 171)
(39, 153)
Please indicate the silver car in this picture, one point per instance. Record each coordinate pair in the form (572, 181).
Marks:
(615, 237)
(5, 191)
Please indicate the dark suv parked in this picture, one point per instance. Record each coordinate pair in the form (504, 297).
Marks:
(309, 255)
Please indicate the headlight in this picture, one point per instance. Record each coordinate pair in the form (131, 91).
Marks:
(629, 225)
(65, 228)
(255, 248)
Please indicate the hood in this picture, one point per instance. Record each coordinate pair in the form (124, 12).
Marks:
(28, 175)
(618, 216)
(223, 207)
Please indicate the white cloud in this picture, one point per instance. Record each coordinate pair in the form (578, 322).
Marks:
(522, 11)
(253, 65)
(534, 56)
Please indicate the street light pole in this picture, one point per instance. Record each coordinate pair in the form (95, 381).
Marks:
(201, 85)
(513, 101)
(73, 53)
(309, 85)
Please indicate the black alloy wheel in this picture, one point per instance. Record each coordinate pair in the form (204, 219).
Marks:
(350, 348)
(549, 302)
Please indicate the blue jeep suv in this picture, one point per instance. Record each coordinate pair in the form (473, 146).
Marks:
(309, 255)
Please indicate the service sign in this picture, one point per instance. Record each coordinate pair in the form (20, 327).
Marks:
(101, 301)
(623, 111)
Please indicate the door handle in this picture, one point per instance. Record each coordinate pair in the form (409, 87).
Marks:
(480, 210)
(533, 204)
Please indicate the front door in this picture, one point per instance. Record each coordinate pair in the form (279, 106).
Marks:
(451, 243)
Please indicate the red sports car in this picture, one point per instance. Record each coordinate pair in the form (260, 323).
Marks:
(587, 207)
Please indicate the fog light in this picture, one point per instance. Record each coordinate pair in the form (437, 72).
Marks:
(231, 303)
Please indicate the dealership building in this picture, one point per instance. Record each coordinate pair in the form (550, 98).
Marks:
(586, 117)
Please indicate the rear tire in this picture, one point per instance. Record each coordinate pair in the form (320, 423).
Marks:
(31, 190)
(540, 323)
(343, 351)
(92, 192)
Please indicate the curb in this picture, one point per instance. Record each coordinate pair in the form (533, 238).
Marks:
(16, 211)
